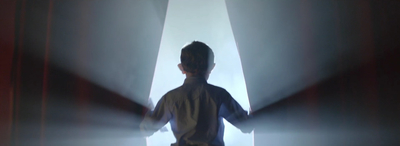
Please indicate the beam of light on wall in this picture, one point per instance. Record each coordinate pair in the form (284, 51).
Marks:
(205, 21)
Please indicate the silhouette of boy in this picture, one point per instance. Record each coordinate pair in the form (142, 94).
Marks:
(195, 109)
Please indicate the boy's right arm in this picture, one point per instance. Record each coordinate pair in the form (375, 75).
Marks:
(156, 119)
(234, 113)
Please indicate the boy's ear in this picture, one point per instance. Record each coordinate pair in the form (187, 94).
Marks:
(212, 67)
(181, 68)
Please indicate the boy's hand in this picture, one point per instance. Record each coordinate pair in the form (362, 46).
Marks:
(251, 113)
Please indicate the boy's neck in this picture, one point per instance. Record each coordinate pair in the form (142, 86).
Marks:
(188, 75)
(192, 75)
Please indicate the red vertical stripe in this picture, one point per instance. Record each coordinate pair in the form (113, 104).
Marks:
(81, 63)
(45, 73)
(369, 76)
(7, 45)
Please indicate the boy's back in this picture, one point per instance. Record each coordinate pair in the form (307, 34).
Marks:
(195, 110)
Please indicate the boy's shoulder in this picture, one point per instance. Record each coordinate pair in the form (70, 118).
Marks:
(184, 88)
(217, 88)
(178, 94)
(174, 91)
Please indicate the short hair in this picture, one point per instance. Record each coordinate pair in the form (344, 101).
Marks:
(197, 58)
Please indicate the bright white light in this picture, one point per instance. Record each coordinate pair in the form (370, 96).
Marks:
(205, 21)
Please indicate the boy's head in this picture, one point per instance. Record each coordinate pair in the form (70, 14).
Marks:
(197, 59)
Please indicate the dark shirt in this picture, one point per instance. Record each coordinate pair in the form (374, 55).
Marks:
(195, 111)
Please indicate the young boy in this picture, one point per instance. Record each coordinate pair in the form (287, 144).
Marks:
(195, 109)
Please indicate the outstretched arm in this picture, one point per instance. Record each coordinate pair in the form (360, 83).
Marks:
(156, 119)
(234, 113)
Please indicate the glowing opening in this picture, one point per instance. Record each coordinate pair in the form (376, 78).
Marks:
(206, 21)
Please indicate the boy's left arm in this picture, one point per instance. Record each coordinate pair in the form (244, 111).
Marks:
(156, 119)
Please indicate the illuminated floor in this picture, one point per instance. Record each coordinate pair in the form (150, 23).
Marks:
(206, 21)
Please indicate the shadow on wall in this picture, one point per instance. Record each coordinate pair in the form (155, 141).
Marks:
(357, 107)
(73, 112)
